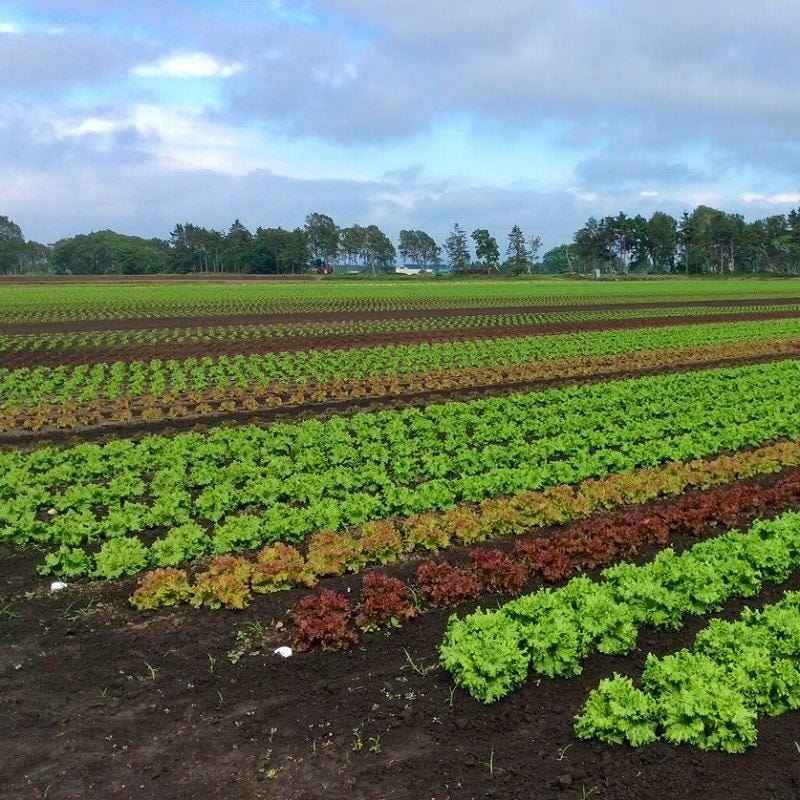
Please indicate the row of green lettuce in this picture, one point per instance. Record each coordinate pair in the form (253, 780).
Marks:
(254, 485)
(109, 300)
(28, 386)
(711, 695)
(552, 632)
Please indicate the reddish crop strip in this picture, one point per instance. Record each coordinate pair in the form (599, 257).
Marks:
(582, 545)
(215, 403)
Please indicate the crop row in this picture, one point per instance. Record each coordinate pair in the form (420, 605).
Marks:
(383, 541)
(709, 696)
(586, 544)
(63, 303)
(112, 341)
(122, 410)
(63, 384)
(287, 481)
(490, 653)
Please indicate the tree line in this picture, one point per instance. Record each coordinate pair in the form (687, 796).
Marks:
(705, 241)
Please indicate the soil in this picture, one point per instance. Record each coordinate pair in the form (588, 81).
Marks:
(72, 326)
(102, 701)
(182, 350)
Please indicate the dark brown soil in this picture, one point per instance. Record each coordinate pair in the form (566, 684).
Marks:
(183, 350)
(15, 328)
(101, 701)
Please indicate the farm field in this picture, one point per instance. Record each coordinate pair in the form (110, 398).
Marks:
(526, 539)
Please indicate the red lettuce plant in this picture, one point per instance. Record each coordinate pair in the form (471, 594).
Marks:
(385, 601)
(498, 572)
(443, 584)
(323, 620)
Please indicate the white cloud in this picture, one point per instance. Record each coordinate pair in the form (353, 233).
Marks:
(181, 137)
(188, 65)
(648, 193)
(583, 196)
(777, 199)
(9, 27)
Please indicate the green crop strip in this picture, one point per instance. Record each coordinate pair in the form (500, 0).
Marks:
(83, 383)
(709, 696)
(60, 302)
(552, 632)
(281, 483)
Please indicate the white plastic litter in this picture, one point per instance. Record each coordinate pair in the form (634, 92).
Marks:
(283, 651)
(57, 586)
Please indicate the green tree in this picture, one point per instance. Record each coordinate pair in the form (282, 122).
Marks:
(486, 249)
(195, 249)
(517, 252)
(352, 243)
(108, 253)
(420, 248)
(560, 259)
(237, 249)
(12, 246)
(662, 241)
(378, 252)
(457, 250)
(296, 255)
(323, 236)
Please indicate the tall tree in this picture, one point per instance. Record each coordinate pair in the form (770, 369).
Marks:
(457, 250)
(296, 253)
(378, 252)
(323, 236)
(420, 248)
(352, 244)
(517, 251)
(237, 251)
(662, 241)
(486, 249)
(534, 245)
(12, 246)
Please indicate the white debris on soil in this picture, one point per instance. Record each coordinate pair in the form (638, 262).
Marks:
(57, 586)
(283, 651)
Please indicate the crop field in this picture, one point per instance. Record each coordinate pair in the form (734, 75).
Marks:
(522, 539)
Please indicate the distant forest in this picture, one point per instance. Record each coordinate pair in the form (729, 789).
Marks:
(705, 241)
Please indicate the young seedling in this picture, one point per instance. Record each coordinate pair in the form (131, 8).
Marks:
(418, 668)
(562, 751)
(71, 613)
(6, 610)
(152, 670)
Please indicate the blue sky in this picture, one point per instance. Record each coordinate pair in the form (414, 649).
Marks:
(136, 116)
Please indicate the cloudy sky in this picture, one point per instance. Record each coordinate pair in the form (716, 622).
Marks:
(404, 113)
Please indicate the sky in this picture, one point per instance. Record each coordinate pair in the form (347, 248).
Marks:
(135, 116)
